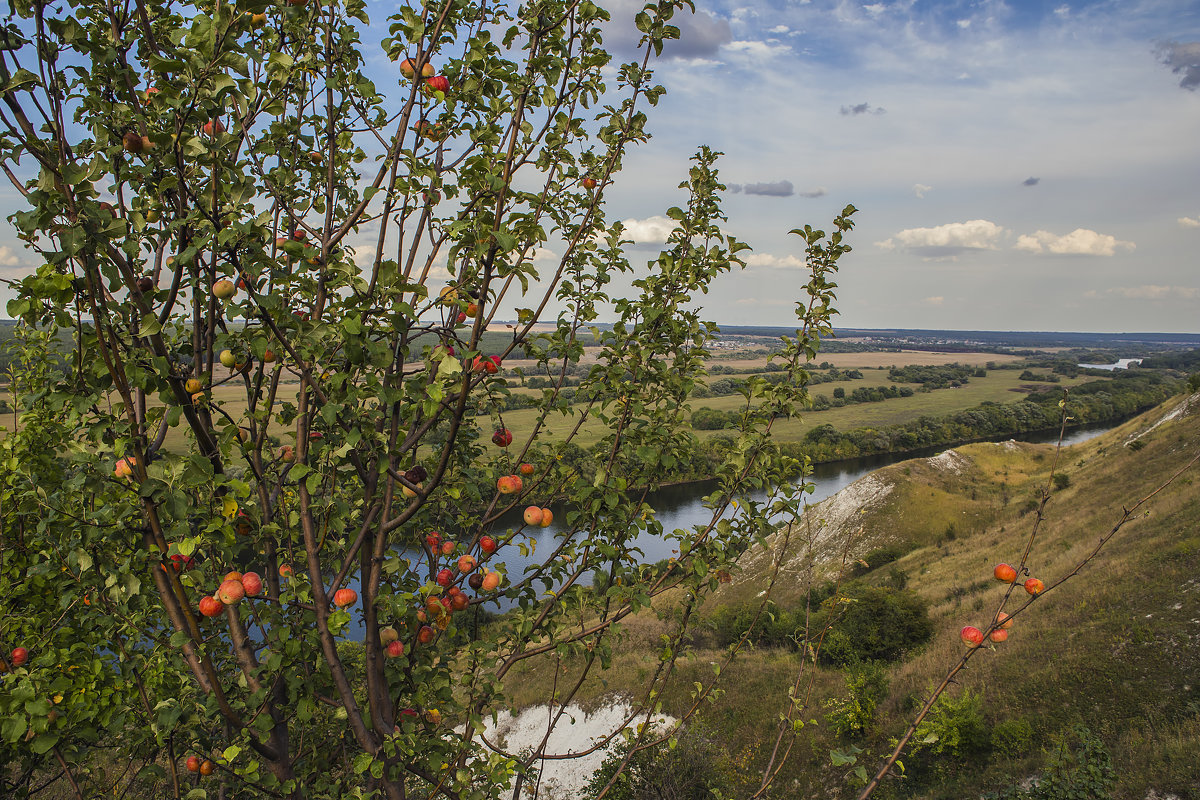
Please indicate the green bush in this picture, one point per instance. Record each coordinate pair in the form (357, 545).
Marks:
(1012, 738)
(877, 623)
(954, 729)
(853, 715)
(1080, 768)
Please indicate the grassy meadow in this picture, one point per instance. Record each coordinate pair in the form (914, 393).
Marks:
(1114, 648)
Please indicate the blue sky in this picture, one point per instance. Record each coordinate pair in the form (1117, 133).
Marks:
(1016, 165)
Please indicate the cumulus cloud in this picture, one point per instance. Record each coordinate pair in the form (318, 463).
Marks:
(861, 108)
(768, 260)
(920, 189)
(776, 189)
(946, 240)
(1031, 181)
(1184, 59)
(1186, 222)
(652, 230)
(1079, 242)
(817, 192)
(8, 257)
(1149, 291)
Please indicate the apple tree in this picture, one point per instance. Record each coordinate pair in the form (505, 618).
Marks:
(250, 532)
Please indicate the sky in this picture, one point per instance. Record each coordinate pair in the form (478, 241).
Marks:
(1017, 166)
(1031, 166)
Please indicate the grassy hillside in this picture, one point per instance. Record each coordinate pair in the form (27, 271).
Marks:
(1116, 649)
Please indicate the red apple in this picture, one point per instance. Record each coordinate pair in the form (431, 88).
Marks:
(589, 182)
(438, 83)
(445, 577)
(286, 571)
(1005, 573)
(547, 517)
(1004, 620)
(491, 581)
(425, 634)
(502, 437)
(433, 540)
(252, 583)
(447, 547)
(1034, 586)
(231, 592)
(395, 649)
(286, 454)
(525, 469)
(533, 515)
(211, 606)
(998, 635)
(509, 484)
(233, 576)
(124, 468)
(971, 636)
(213, 127)
(466, 563)
(487, 544)
(193, 764)
(19, 656)
(206, 767)
(345, 597)
(459, 602)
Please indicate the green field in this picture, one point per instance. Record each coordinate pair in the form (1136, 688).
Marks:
(1000, 386)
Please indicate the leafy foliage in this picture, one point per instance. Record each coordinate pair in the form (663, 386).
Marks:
(220, 198)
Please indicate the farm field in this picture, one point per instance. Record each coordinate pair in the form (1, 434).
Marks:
(999, 386)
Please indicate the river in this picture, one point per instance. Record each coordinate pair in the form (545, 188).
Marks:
(682, 506)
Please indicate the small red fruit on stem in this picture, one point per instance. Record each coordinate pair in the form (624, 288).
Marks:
(193, 764)
(502, 437)
(971, 636)
(1034, 586)
(345, 597)
(19, 656)
(1005, 573)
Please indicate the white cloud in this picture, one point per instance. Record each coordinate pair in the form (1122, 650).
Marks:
(652, 230)
(8, 258)
(875, 9)
(756, 50)
(768, 260)
(779, 29)
(544, 254)
(1149, 291)
(936, 300)
(1188, 222)
(920, 189)
(976, 234)
(1080, 241)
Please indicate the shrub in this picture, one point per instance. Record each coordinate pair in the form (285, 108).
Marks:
(953, 729)
(877, 624)
(1012, 738)
(866, 687)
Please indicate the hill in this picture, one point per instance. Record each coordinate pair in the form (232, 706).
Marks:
(1106, 665)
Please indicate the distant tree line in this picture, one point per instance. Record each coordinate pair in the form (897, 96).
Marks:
(1126, 393)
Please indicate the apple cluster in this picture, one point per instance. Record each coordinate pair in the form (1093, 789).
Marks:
(233, 589)
(1005, 573)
